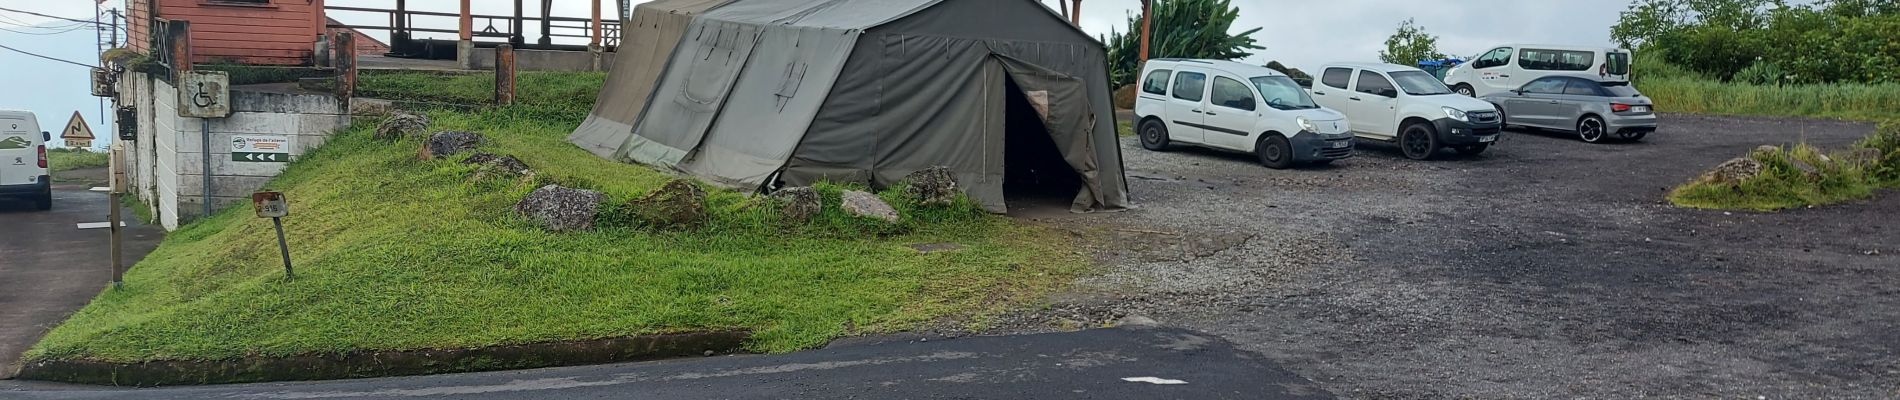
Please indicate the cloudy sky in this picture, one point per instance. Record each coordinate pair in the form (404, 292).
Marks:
(1302, 34)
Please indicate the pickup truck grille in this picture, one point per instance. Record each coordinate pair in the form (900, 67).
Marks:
(1483, 117)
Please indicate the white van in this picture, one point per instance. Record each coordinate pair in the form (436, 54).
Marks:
(1240, 107)
(23, 159)
(1509, 67)
(1409, 107)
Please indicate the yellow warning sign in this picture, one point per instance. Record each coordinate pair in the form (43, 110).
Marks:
(76, 129)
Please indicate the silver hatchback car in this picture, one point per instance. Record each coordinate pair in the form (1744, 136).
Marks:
(1594, 110)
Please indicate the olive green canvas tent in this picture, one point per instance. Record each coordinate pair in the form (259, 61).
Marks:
(758, 94)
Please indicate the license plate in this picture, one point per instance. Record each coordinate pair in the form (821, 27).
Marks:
(1341, 144)
(1487, 139)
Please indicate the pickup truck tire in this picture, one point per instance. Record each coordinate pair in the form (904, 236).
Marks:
(1154, 135)
(1419, 141)
(1274, 152)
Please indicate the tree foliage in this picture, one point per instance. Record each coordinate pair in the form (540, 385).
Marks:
(1181, 28)
(1298, 76)
(1768, 41)
(1410, 45)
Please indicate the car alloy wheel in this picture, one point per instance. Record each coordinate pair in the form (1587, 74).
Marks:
(1417, 142)
(1590, 129)
(1154, 136)
(1466, 91)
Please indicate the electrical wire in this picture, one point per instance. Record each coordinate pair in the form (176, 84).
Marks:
(50, 16)
(41, 33)
(2, 46)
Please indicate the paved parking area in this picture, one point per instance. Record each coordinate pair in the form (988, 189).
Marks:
(1545, 268)
(49, 268)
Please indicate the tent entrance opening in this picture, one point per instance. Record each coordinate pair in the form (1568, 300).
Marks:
(1034, 172)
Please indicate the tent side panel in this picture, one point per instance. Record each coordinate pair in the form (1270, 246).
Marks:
(772, 104)
(649, 39)
(692, 91)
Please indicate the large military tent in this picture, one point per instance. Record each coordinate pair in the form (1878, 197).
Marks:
(758, 93)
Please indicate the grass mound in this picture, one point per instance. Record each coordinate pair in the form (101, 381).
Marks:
(393, 252)
(67, 159)
(1803, 176)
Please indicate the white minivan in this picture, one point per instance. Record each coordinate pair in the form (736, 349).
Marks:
(1508, 67)
(1407, 106)
(1239, 107)
(23, 159)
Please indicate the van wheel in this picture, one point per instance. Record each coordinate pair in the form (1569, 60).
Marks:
(1465, 90)
(1274, 152)
(1419, 141)
(45, 202)
(1590, 129)
(1154, 135)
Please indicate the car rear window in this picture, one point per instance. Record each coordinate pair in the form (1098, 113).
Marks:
(1617, 64)
(1620, 89)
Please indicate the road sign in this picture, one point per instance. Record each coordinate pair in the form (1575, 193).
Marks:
(76, 128)
(260, 148)
(204, 94)
(270, 204)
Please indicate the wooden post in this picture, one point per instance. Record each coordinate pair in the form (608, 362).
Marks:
(178, 36)
(594, 40)
(399, 20)
(1145, 6)
(547, 21)
(516, 37)
(468, 22)
(345, 68)
(504, 75)
(117, 168)
(1075, 18)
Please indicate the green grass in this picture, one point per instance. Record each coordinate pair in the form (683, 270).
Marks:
(393, 252)
(1867, 102)
(1125, 128)
(67, 159)
(1782, 185)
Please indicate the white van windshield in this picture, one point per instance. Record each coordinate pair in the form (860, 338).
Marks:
(1282, 94)
(1419, 83)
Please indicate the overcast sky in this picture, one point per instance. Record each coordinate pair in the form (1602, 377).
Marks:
(1302, 34)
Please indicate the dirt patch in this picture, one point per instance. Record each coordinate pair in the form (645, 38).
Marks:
(1545, 268)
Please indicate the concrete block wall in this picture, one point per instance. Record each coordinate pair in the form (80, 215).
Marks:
(176, 148)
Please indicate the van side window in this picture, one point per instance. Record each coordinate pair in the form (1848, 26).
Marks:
(1157, 82)
(1189, 85)
(1232, 94)
(1497, 57)
(1336, 77)
(1556, 60)
(1375, 84)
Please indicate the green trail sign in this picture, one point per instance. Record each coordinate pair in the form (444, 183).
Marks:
(260, 157)
(260, 148)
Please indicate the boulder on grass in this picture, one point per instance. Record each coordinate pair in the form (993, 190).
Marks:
(865, 204)
(934, 186)
(561, 209)
(496, 165)
(1861, 157)
(1734, 171)
(677, 203)
(447, 143)
(799, 204)
(401, 125)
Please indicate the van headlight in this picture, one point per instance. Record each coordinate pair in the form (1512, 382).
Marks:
(1455, 114)
(1306, 125)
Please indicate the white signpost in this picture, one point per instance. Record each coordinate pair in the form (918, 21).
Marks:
(260, 148)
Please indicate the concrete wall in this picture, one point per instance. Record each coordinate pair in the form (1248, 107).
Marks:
(543, 60)
(170, 150)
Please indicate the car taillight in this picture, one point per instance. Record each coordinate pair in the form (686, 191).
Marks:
(42, 156)
(1619, 107)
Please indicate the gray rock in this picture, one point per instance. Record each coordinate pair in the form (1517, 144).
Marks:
(1734, 171)
(799, 204)
(1861, 157)
(932, 186)
(1807, 170)
(447, 143)
(677, 203)
(401, 125)
(496, 165)
(561, 209)
(865, 204)
(1768, 149)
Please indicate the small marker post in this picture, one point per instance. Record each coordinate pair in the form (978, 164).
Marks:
(273, 205)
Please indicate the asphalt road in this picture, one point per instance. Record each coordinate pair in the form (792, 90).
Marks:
(1073, 365)
(49, 268)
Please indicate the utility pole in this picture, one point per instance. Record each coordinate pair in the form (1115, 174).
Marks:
(1146, 5)
(1075, 18)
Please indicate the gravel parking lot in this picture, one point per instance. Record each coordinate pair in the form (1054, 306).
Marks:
(1546, 267)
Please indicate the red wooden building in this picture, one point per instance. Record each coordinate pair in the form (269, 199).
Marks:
(257, 32)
